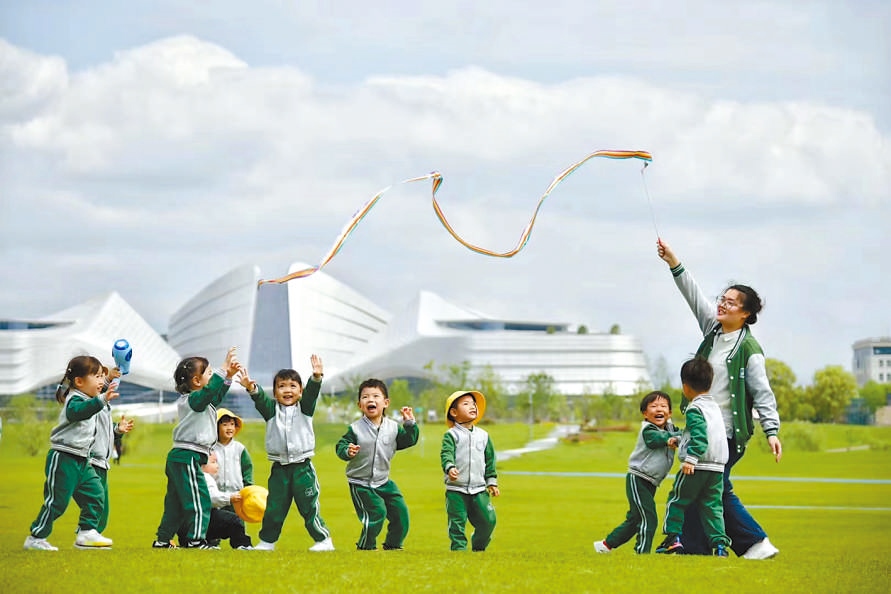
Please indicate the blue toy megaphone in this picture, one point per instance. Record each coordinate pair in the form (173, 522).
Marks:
(121, 352)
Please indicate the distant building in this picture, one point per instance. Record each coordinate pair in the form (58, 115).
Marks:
(34, 353)
(872, 360)
(280, 326)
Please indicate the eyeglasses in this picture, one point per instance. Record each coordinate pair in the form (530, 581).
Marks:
(727, 303)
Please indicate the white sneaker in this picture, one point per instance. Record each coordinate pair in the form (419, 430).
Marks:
(323, 545)
(32, 543)
(265, 546)
(601, 547)
(91, 539)
(761, 550)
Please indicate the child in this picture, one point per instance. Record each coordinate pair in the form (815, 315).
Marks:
(648, 464)
(369, 446)
(290, 445)
(101, 450)
(704, 452)
(187, 504)
(69, 473)
(468, 461)
(224, 523)
(236, 470)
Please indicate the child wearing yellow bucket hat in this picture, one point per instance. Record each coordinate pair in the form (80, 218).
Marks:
(468, 461)
(236, 468)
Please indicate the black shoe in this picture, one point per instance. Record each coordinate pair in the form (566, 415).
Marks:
(671, 544)
(163, 545)
(721, 551)
(200, 544)
(389, 548)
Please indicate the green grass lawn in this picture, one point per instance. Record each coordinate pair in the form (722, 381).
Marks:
(834, 536)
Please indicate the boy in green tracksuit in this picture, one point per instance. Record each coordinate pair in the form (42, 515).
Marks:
(290, 446)
(468, 461)
(187, 504)
(369, 446)
(648, 465)
(703, 450)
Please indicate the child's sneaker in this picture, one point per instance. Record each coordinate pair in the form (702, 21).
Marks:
(601, 547)
(721, 551)
(265, 546)
(671, 544)
(323, 545)
(32, 543)
(200, 544)
(91, 539)
(244, 548)
(763, 549)
(163, 545)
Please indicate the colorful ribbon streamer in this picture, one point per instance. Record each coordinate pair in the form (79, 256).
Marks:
(436, 177)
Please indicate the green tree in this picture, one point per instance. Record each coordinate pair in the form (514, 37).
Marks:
(875, 394)
(789, 396)
(583, 329)
(832, 390)
(615, 329)
(539, 390)
(490, 383)
(30, 413)
(400, 394)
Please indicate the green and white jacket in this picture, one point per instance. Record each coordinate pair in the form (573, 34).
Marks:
(749, 387)
(370, 467)
(196, 430)
(290, 437)
(76, 429)
(651, 458)
(472, 453)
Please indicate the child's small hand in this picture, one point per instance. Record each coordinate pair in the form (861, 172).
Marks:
(235, 497)
(408, 414)
(114, 373)
(493, 490)
(231, 364)
(673, 443)
(687, 468)
(112, 393)
(317, 369)
(245, 380)
(125, 425)
(453, 473)
(352, 450)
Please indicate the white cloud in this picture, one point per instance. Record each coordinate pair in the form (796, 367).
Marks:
(175, 161)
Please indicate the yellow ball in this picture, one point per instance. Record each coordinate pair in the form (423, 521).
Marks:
(252, 505)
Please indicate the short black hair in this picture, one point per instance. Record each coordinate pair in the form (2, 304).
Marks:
(373, 383)
(697, 373)
(654, 395)
(287, 374)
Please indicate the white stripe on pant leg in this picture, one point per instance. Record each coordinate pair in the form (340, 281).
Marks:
(317, 508)
(195, 492)
(363, 538)
(51, 488)
(642, 527)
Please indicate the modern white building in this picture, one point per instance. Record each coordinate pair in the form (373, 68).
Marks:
(279, 326)
(34, 353)
(872, 360)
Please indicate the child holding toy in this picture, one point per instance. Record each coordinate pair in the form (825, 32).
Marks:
(236, 470)
(69, 473)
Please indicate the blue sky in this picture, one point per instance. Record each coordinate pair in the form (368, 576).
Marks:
(149, 147)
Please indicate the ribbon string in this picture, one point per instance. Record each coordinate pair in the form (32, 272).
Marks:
(436, 179)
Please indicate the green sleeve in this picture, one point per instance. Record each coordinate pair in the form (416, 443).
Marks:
(247, 468)
(447, 454)
(79, 409)
(212, 393)
(655, 437)
(407, 436)
(340, 448)
(263, 403)
(490, 462)
(310, 396)
(698, 429)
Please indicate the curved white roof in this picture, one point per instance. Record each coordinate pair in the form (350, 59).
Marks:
(34, 353)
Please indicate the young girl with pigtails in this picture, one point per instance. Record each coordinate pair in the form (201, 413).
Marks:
(69, 473)
(187, 504)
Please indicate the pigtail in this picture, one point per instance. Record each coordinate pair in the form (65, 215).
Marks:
(64, 387)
